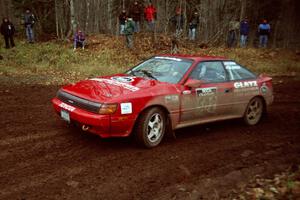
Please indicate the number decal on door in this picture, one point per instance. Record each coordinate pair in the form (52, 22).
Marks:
(207, 99)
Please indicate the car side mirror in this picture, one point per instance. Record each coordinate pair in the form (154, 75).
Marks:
(193, 83)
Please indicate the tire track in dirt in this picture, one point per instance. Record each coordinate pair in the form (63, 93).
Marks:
(234, 149)
(47, 160)
(26, 138)
(59, 172)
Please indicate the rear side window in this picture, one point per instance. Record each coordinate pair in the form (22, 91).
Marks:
(237, 72)
(210, 72)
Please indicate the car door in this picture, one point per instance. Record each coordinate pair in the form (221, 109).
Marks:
(211, 99)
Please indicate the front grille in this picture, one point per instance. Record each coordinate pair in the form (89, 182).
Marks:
(78, 102)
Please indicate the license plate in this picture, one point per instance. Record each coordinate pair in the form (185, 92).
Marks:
(65, 115)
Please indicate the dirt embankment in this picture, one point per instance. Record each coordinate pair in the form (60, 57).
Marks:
(41, 158)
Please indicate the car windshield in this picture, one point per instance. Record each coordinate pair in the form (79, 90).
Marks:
(165, 69)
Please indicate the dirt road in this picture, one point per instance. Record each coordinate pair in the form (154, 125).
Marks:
(41, 158)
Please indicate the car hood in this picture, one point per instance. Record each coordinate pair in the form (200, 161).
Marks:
(103, 89)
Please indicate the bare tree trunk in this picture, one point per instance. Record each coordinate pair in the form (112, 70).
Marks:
(166, 16)
(97, 19)
(109, 12)
(185, 18)
(87, 16)
(6, 10)
(243, 9)
(155, 28)
(275, 35)
(72, 17)
(56, 19)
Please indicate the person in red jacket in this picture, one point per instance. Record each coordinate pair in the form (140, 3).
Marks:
(150, 16)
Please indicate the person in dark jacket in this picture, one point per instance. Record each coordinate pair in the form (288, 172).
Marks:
(244, 32)
(136, 12)
(29, 21)
(8, 30)
(178, 21)
(264, 30)
(122, 20)
(193, 23)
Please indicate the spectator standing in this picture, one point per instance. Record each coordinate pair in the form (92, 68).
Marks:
(244, 32)
(264, 30)
(150, 16)
(29, 21)
(122, 20)
(79, 40)
(128, 31)
(136, 12)
(193, 24)
(231, 37)
(178, 21)
(8, 30)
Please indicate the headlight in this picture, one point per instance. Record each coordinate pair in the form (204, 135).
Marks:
(107, 109)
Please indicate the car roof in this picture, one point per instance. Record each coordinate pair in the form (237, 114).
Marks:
(194, 57)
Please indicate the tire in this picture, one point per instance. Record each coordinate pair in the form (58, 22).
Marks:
(151, 127)
(254, 111)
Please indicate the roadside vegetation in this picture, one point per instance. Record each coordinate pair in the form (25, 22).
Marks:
(283, 186)
(56, 63)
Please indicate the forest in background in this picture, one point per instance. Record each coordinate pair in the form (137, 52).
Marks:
(57, 18)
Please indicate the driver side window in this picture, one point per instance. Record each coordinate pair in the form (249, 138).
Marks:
(209, 72)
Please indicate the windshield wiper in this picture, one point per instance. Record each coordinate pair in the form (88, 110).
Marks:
(148, 74)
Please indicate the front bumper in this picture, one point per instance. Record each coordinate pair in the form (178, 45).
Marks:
(102, 125)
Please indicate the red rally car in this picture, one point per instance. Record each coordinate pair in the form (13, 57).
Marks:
(165, 93)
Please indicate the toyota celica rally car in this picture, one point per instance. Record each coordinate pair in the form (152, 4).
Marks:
(165, 93)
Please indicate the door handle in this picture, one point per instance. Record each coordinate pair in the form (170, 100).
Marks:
(227, 90)
(186, 92)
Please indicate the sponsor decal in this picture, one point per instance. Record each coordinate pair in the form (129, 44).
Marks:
(229, 63)
(67, 107)
(169, 58)
(206, 91)
(264, 89)
(126, 108)
(246, 88)
(207, 99)
(125, 79)
(233, 67)
(117, 83)
(171, 99)
(246, 84)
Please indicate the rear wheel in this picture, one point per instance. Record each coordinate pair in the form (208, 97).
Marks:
(254, 111)
(151, 127)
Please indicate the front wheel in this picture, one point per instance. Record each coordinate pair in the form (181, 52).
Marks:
(151, 127)
(254, 111)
